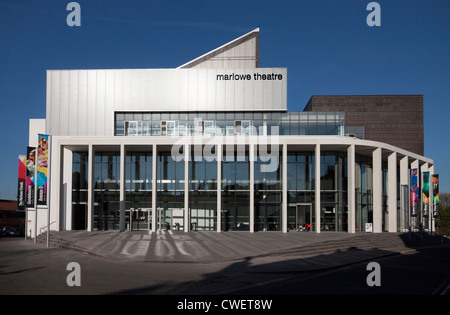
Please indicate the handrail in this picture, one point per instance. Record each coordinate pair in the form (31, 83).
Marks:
(45, 227)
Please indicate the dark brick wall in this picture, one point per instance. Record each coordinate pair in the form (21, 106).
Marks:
(393, 119)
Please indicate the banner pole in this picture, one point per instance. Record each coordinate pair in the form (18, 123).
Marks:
(35, 196)
(48, 188)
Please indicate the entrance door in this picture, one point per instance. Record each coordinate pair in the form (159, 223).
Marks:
(138, 219)
(79, 217)
(170, 219)
(163, 219)
(303, 217)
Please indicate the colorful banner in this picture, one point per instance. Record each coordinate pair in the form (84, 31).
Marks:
(435, 195)
(42, 169)
(426, 194)
(414, 193)
(22, 180)
(31, 173)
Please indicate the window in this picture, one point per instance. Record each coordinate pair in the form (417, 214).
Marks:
(199, 127)
(246, 127)
(132, 128)
(243, 127)
(146, 128)
(172, 128)
(169, 128)
(209, 128)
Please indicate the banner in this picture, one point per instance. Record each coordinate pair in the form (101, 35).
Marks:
(426, 194)
(414, 193)
(42, 168)
(435, 195)
(31, 173)
(22, 180)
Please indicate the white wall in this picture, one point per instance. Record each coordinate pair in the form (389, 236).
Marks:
(36, 126)
(82, 102)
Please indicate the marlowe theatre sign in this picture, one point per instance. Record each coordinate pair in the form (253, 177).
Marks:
(248, 77)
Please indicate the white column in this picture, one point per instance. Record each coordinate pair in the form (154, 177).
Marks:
(219, 186)
(432, 220)
(91, 183)
(351, 202)
(122, 188)
(67, 188)
(54, 185)
(284, 187)
(377, 190)
(186, 188)
(251, 158)
(317, 187)
(404, 180)
(392, 192)
(154, 186)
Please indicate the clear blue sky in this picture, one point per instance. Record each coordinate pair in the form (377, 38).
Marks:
(326, 46)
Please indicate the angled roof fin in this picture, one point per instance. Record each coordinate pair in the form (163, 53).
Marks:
(240, 53)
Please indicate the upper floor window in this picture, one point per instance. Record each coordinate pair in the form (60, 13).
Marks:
(133, 128)
(169, 128)
(243, 127)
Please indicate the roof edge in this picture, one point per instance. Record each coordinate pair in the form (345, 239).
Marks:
(212, 52)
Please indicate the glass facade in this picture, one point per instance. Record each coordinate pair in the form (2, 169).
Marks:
(203, 191)
(231, 123)
(79, 190)
(106, 191)
(267, 195)
(364, 192)
(138, 190)
(300, 189)
(236, 192)
(170, 192)
(333, 195)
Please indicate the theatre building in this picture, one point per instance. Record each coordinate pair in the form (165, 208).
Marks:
(211, 146)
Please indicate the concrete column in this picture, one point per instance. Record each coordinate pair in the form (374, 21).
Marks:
(404, 180)
(284, 187)
(219, 150)
(351, 200)
(251, 161)
(54, 186)
(377, 190)
(91, 183)
(432, 220)
(67, 188)
(122, 188)
(186, 188)
(317, 187)
(392, 192)
(154, 186)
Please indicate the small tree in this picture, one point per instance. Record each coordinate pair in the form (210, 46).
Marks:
(443, 221)
(444, 200)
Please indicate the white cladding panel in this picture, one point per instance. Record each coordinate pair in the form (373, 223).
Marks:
(82, 102)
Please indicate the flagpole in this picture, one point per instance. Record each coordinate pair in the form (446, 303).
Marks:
(48, 188)
(35, 194)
